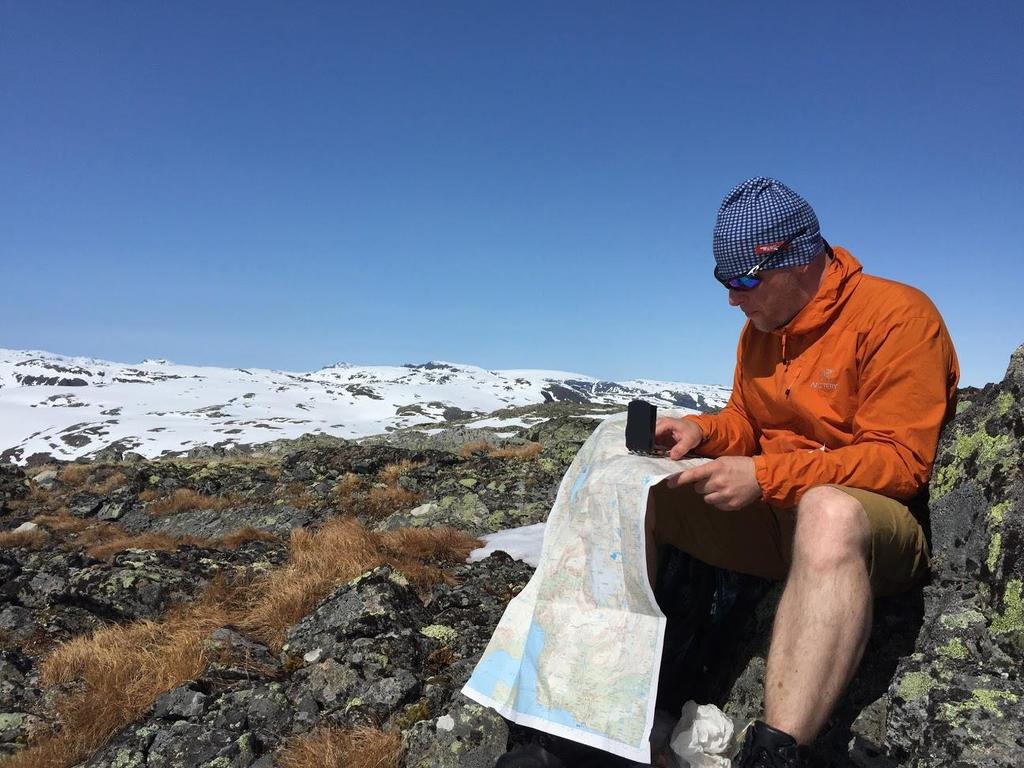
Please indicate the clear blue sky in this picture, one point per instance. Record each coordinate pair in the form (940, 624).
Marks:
(509, 184)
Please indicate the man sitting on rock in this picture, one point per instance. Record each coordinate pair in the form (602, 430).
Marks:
(821, 457)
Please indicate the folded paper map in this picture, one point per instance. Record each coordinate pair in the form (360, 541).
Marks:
(577, 652)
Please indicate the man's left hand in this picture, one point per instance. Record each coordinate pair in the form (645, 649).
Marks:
(727, 483)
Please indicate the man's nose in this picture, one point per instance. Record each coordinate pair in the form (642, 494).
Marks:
(735, 298)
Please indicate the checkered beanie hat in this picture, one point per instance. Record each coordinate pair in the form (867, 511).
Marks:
(757, 214)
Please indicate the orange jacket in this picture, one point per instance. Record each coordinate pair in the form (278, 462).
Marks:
(853, 391)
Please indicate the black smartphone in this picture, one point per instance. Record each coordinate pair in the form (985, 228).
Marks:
(640, 419)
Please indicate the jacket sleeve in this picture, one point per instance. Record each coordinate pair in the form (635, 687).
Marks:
(730, 432)
(907, 386)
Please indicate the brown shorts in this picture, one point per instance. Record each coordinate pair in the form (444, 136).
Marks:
(758, 539)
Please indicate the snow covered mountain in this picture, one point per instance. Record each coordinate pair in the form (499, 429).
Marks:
(73, 406)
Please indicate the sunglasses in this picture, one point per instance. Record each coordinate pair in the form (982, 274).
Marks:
(750, 280)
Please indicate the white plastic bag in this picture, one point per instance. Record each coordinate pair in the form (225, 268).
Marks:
(703, 736)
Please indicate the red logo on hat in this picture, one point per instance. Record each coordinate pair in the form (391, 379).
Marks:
(767, 248)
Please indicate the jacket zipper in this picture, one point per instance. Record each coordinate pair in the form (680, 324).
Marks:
(785, 365)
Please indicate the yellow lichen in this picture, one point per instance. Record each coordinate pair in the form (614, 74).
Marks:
(995, 546)
(985, 699)
(1012, 617)
(954, 649)
(915, 685)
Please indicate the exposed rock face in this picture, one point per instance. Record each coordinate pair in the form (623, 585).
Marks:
(959, 698)
(940, 684)
(13, 484)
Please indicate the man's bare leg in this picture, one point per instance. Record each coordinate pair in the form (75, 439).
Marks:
(824, 617)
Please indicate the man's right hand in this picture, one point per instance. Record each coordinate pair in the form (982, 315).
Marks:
(680, 436)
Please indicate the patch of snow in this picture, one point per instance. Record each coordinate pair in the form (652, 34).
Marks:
(522, 543)
(499, 421)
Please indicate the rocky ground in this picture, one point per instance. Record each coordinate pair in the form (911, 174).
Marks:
(127, 545)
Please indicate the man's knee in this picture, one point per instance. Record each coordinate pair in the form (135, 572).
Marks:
(832, 528)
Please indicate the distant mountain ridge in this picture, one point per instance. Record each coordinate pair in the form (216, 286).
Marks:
(68, 407)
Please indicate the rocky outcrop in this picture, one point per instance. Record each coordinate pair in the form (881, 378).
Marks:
(959, 697)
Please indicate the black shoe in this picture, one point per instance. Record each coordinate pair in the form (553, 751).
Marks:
(767, 747)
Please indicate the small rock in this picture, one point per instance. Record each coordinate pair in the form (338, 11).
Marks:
(468, 736)
(424, 509)
(180, 704)
(111, 511)
(47, 479)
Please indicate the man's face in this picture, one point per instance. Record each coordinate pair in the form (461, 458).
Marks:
(775, 301)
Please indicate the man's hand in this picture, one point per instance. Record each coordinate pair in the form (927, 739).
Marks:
(727, 483)
(680, 436)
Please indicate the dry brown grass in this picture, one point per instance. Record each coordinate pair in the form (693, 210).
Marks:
(439, 660)
(61, 523)
(475, 448)
(527, 451)
(235, 539)
(318, 561)
(105, 550)
(148, 495)
(390, 473)
(37, 498)
(381, 502)
(103, 487)
(347, 484)
(340, 550)
(480, 448)
(103, 540)
(442, 544)
(185, 500)
(297, 496)
(75, 474)
(33, 539)
(419, 552)
(111, 677)
(349, 748)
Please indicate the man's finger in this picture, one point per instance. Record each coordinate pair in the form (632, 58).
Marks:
(672, 481)
(717, 500)
(678, 451)
(683, 478)
(701, 472)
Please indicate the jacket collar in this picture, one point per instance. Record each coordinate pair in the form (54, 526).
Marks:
(841, 275)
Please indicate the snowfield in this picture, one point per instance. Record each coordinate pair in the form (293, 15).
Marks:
(70, 407)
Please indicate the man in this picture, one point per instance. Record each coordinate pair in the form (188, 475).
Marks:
(822, 455)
